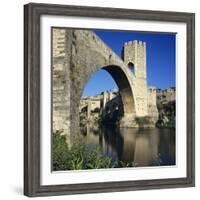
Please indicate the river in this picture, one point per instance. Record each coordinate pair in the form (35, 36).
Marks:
(143, 147)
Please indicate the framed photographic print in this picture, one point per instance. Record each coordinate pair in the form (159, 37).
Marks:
(108, 98)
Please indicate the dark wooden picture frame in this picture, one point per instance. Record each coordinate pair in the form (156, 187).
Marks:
(32, 116)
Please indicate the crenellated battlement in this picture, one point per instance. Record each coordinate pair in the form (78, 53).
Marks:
(134, 42)
(135, 54)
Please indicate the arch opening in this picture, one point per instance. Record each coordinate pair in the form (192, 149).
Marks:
(124, 87)
(111, 103)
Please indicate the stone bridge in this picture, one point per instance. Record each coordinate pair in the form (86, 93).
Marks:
(77, 54)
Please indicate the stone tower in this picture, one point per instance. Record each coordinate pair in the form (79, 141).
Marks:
(135, 60)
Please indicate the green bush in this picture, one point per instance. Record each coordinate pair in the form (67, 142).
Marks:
(60, 151)
(95, 160)
(125, 164)
(141, 121)
(78, 156)
(167, 111)
(171, 123)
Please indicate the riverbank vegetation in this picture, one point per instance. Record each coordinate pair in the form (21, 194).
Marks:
(144, 122)
(80, 156)
(167, 115)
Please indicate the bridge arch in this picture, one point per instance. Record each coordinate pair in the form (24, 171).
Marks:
(81, 55)
(119, 75)
(124, 86)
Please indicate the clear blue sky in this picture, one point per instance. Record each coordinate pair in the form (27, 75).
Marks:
(160, 59)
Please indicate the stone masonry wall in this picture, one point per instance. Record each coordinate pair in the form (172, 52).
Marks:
(152, 106)
(61, 81)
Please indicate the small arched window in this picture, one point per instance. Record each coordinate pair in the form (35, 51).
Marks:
(131, 67)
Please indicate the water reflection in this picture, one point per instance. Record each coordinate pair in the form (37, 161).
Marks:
(144, 147)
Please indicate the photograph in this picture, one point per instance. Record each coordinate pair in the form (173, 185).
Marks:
(113, 99)
(109, 99)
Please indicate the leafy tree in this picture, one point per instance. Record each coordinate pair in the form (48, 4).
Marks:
(60, 151)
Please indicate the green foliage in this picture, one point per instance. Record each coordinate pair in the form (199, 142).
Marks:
(65, 158)
(78, 156)
(171, 123)
(167, 113)
(141, 121)
(125, 164)
(60, 151)
(96, 160)
(76, 163)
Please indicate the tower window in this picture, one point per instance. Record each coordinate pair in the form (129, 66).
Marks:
(131, 67)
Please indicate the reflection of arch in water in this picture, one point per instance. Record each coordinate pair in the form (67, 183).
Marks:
(129, 137)
(113, 140)
(146, 148)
